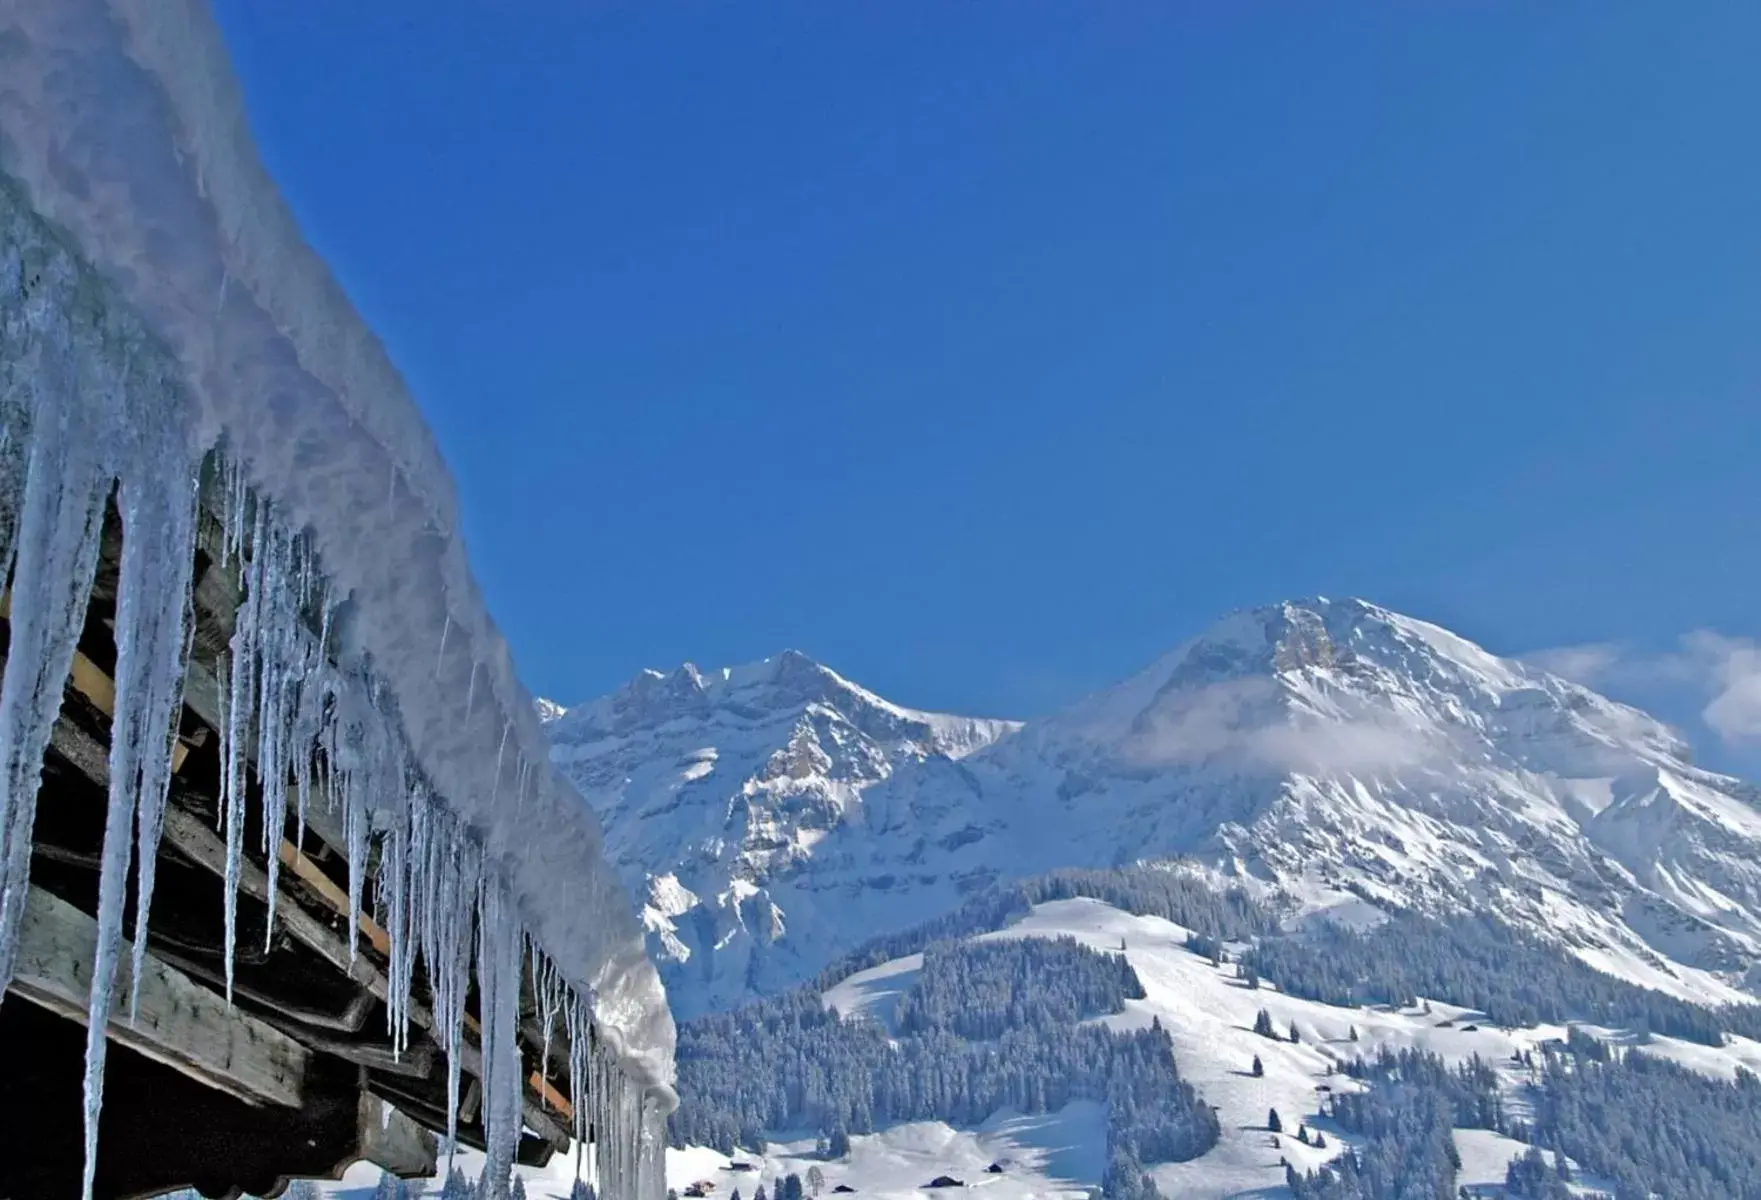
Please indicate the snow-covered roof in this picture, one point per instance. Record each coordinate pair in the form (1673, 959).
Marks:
(124, 126)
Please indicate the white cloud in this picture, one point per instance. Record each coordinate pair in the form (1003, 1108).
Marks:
(1588, 664)
(1243, 721)
(1732, 668)
(1724, 671)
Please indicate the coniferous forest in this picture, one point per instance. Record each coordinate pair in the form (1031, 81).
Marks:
(1000, 1024)
(986, 1026)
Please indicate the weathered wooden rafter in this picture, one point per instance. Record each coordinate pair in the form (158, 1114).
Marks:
(312, 912)
(179, 1023)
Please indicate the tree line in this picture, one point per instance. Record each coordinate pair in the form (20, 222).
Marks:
(985, 1026)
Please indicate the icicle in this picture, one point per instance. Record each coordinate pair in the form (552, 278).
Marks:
(471, 691)
(150, 819)
(308, 732)
(282, 662)
(67, 479)
(452, 885)
(498, 988)
(495, 788)
(546, 986)
(15, 411)
(245, 661)
(399, 877)
(651, 1154)
(355, 831)
(440, 658)
(158, 551)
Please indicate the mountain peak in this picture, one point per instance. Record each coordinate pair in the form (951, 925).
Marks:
(1322, 747)
(783, 686)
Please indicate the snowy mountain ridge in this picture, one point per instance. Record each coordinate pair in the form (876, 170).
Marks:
(1326, 752)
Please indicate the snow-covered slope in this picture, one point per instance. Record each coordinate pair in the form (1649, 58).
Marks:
(1209, 1016)
(1329, 751)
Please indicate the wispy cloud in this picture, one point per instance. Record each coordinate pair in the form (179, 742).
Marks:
(1245, 723)
(1724, 671)
(1589, 664)
(1732, 668)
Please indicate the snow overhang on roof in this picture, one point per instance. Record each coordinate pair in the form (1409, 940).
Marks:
(123, 125)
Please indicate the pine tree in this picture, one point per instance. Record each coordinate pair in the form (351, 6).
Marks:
(457, 1187)
(1295, 1037)
(582, 1191)
(1262, 1025)
(518, 1191)
(1320, 1140)
(815, 1181)
(1302, 1134)
(791, 1189)
(759, 1194)
(840, 1143)
(1354, 1033)
(1273, 1123)
(1259, 1068)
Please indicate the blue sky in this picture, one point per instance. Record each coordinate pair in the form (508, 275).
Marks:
(986, 350)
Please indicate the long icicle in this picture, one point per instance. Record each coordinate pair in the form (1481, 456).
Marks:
(150, 818)
(61, 511)
(245, 660)
(498, 989)
(158, 552)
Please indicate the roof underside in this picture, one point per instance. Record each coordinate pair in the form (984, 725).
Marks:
(125, 128)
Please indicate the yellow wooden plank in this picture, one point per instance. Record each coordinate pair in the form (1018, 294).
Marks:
(326, 887)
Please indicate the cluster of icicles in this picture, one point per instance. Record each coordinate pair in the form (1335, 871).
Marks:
(89, 408)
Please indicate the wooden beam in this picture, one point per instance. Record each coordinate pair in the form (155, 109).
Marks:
(308, 873)
(201, 845)
(552, 1097)
(202, 695)
(94, 683)
(393, 1142)
(179, 1022)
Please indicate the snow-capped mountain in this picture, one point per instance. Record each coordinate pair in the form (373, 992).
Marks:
(1331, 752)
(735, 802)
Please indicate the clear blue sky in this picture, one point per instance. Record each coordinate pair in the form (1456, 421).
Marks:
(986, 350)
